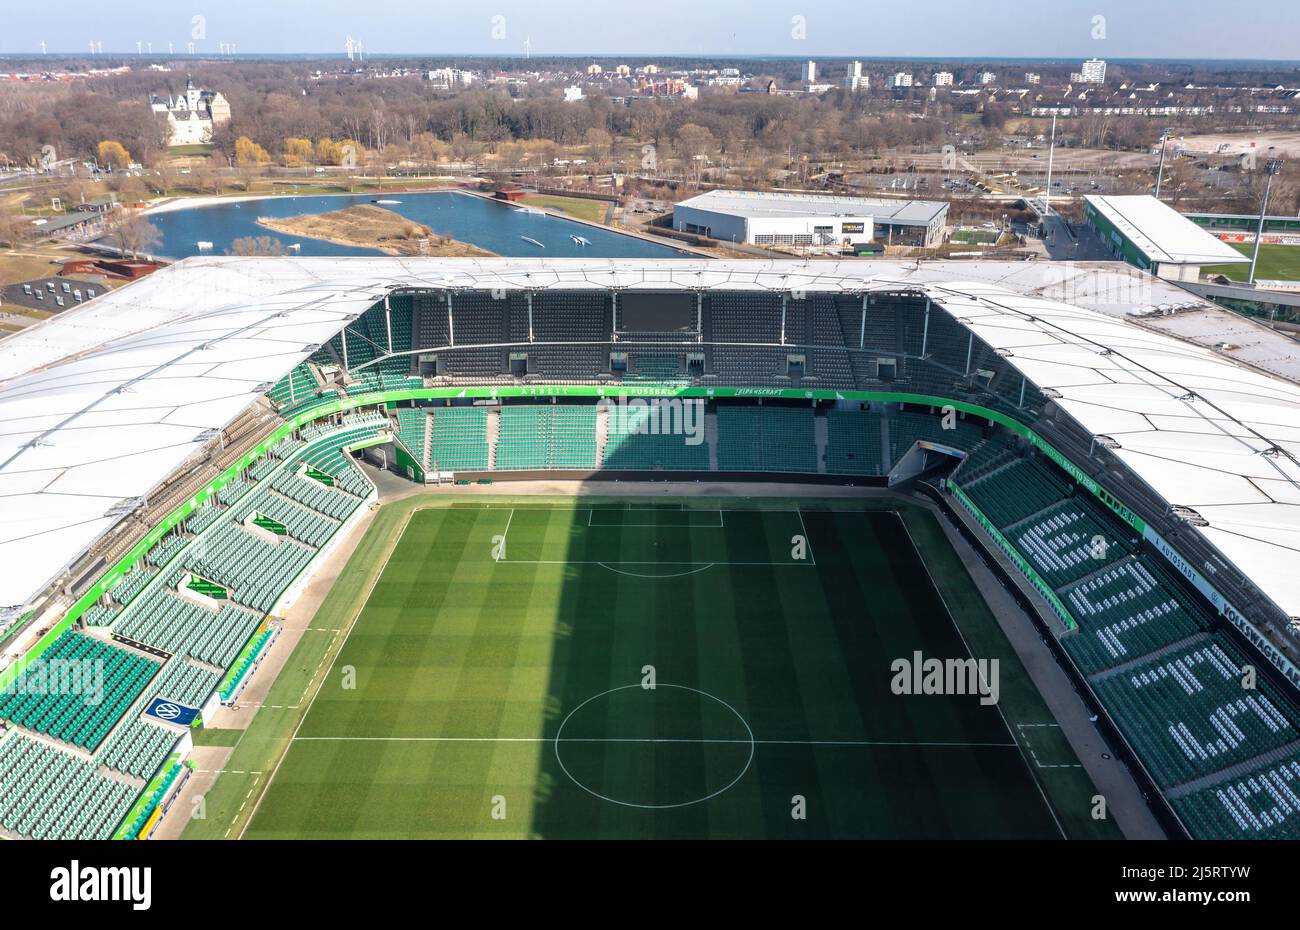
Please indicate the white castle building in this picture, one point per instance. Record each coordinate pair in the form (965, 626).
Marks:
(192, 116)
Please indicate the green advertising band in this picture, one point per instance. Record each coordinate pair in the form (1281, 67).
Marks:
(351, 402)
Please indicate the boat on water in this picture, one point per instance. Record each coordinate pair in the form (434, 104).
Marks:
(532, 241)
(580, 240)
(385, 201)
(531, 211)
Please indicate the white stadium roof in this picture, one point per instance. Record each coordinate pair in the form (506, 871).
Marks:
(774, 205)
(104, 401)
(1162, 233)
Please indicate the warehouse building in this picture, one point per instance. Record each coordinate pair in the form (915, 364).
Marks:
(777, 219)
(1152, 235)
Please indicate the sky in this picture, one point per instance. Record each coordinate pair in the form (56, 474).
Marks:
(1112, 29)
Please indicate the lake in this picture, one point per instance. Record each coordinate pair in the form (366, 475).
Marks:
(488, 224)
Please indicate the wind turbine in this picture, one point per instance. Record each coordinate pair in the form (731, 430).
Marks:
(42, 46)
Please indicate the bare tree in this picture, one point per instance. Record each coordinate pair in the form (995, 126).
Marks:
(257, 246)
(13, 226)
(132, 234)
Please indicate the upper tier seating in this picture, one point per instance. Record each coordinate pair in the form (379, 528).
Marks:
(298, 385)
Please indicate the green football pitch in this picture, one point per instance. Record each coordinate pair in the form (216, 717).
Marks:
(1276, 263)
(540, 670)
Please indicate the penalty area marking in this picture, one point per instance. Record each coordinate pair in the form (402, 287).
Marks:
(692, 571)
(811, 561)
(720, 525)
(1032, 752)
(807, 564)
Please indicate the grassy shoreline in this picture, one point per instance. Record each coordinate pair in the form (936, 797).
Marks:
(372, 227)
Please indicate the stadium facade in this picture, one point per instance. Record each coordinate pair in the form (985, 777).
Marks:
(176, 462)
(785, 219)
(1155, 237)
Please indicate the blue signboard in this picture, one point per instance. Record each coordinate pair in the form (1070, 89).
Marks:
(171, 712)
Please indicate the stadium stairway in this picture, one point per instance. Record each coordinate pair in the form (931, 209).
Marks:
(602, 434)
(886, 444)
(711, 437)
(493, 434)
(821, 437)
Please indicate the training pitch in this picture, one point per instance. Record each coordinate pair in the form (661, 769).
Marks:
(1276, 263)
(538, 669)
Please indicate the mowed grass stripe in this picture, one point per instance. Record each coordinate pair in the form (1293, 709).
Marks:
(847, 638)
(828, 703)
(773, 701)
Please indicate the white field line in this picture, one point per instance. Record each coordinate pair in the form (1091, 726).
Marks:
(644, 562)
(720, 525)
(927, 744)
(1030, 746)
(317, 678)
(505, 535)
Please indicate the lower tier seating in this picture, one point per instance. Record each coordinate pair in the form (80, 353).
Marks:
(547, 437)
(767, 439)
(1188, 715)
(458, 438)
(1124, 612)
(84, 687)
(46, 793)
(1262, 803)
(907, 428)
(627, 448)
(1017, 491)
(853, 443)
(1069, 540)
(179, 626)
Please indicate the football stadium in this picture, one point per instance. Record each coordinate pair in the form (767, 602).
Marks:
(418, 548)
